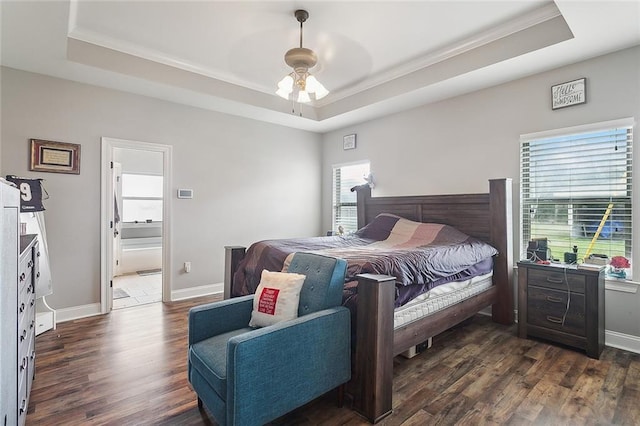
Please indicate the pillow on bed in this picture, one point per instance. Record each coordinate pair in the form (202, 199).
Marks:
(276, 298)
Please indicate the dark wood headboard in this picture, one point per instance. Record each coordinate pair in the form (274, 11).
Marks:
(486, 216)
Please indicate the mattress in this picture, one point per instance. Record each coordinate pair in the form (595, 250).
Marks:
(439, 298)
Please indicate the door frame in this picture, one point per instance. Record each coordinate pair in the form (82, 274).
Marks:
(106, 216)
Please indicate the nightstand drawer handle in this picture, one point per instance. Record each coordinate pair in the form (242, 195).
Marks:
(555, 280)
(554, 299)
(554, 319)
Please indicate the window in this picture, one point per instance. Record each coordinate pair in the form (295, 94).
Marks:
(141, 198)
(345, 213)
(575, 190)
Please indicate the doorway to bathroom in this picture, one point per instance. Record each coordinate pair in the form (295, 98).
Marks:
(138, 183)
(136, 225)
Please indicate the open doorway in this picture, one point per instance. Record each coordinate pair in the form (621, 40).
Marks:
(135, 211)
(138, 182)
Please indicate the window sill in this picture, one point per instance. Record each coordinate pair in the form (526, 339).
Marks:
(621, 285)
(154, 224)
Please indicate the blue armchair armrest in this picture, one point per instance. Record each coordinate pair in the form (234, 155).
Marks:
(282, 367)
(219, 317)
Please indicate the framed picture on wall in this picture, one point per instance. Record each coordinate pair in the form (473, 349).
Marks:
(54, 157)
(569, 93)
(349, 141)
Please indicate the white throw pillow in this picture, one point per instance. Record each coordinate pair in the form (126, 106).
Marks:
(276, 298)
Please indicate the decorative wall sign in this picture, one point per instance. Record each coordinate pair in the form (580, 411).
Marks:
(569, 93)
(55, 157)
(349, 142)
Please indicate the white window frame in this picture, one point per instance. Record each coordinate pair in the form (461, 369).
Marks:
(137, 198)
(594, 127)
(334, 205)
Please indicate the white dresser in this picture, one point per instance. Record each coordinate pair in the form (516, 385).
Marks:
(18, 273)
(28, 275)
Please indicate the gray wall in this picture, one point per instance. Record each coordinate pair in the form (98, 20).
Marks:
(238, 166)
(456, 145)
(251, 180)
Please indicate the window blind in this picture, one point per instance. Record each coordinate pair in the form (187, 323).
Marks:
(141, 197)
(576, 190)
(345, 213)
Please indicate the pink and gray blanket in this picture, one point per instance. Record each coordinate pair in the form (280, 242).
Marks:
(419, 255)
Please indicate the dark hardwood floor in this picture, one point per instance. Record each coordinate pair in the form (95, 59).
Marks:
(129, 368)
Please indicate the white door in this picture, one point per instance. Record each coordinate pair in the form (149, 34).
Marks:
(117, 220)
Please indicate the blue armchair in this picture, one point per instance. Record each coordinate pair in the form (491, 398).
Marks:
(247, 376)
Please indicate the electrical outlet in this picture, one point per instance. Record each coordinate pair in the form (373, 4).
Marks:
(187, 267)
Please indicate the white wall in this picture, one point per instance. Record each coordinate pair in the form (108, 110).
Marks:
(251, 180)
(456, 145)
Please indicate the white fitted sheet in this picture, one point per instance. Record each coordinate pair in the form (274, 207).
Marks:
(440, 298)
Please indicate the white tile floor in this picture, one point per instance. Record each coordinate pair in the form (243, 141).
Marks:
(140, 288)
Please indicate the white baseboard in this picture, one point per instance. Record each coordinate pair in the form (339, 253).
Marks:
(622, 341)
(203, 290)
(77, 312)
(83, 311)
(614, 339)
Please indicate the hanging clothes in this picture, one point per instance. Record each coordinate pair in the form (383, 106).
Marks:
(31, 193)
(32, 214)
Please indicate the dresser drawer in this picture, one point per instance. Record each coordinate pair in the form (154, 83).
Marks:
(546, 308)
(557, 279)
(23, 302)
(31, 362)
(23, 403)
(24, 273)
(24, 336)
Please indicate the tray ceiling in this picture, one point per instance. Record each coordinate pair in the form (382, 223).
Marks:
(375, 57)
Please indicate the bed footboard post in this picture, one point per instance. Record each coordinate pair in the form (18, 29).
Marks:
(374, 346)
(232, 257)
(501, 205)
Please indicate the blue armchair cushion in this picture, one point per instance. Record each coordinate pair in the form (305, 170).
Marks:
(209, 357)
(276, 298)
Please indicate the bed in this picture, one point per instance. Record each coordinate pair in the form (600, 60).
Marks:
(486, 217)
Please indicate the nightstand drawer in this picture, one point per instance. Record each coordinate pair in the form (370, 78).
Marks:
(546, 308)
(557, 279)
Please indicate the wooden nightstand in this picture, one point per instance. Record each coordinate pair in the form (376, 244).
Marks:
(562, 304)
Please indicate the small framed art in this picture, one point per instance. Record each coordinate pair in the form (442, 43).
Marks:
(54, 157)
(569, 93)
(349, 141)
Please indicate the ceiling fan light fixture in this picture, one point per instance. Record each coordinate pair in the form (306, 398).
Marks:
(300, 83)
(286, 83)
(314, 86)
(284, 94)
(303, 97)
